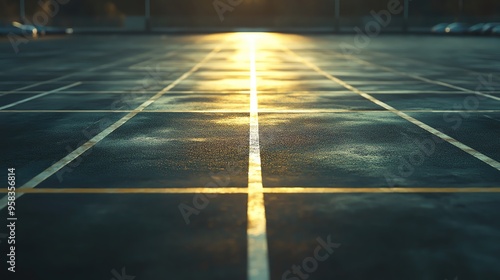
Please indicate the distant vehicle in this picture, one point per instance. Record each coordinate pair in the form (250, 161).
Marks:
(456, 28)
(19, 29)
(33, 30)
(488, 27)
(496, 31)
(476, 29)
(49, 30)
(439, 28)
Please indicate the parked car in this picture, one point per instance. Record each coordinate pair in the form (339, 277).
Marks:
(33, 30)
(456, 28)
(19, 29)
(476, 29)
(496, 31)
(439, 28)
(488, 27)
(50, 30)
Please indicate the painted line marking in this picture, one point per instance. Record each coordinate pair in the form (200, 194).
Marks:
(239, 190)
(491, 118)
(491, 162)
(423, 79)
(96, 139)
(422, 62)
(427, 63)
(110, 82)
(138, 66)
(39, 95)
(83, 71)
(274, 111)
(224, 92)
(258, 258)
(437, 92)
(141, 91)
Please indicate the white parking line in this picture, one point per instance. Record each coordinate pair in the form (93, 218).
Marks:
(491, 162)
(423, 79)
(237, 111)
(107, 82)
(96, 139)
(422, 62)
(225, 92)
(39, 95)
(139, 65)
(140, 91)
(258, 259)
(84, 71)
(405, 91)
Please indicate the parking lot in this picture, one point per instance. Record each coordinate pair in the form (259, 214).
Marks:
(252, 156)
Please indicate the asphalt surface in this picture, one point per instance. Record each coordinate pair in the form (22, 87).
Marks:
(143, 157)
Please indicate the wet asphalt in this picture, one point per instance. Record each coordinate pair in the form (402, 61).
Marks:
(57, 93)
